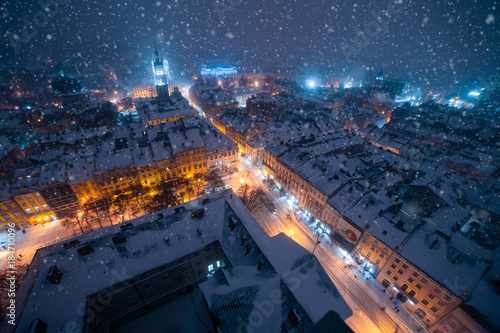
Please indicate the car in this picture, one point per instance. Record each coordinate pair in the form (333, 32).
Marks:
(220, 188)
(208, 189)
(226, 186)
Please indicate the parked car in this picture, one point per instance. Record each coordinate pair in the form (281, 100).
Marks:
(208, 190)
(220, 188)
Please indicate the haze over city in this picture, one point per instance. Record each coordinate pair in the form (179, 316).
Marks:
(249, 166)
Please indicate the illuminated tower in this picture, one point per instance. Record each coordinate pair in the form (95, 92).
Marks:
(160, 72)
(380, 76)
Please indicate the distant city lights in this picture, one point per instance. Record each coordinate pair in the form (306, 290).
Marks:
(311, 83)
(218, 71)
(474, 93)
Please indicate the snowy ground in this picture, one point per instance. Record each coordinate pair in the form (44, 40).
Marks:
(35, 237)
(365, 296)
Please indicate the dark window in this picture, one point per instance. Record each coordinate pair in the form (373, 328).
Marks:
(388, 273)
(425, 302)
(411, 280)
(397, 261)
(434, 309)
(400, 272)
(418, 286)
(405, 266)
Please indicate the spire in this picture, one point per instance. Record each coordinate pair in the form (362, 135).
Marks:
(380, 75)
(156, 52)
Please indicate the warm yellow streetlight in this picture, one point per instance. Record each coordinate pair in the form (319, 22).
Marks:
(242, 180)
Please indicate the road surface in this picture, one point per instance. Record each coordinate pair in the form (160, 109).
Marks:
(365, 297)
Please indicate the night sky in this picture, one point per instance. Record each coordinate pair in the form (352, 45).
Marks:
(426, 42)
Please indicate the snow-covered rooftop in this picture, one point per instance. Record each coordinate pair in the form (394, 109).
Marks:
(60, 305)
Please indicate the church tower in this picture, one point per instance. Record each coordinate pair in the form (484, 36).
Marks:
(160, 72)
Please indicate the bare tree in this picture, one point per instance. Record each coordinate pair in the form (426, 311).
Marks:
(252, 198)
(120, 204)
(213, 179)
(92, 207)
(72, 220)
(165, 198)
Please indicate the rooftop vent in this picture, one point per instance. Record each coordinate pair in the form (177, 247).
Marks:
(198, 213)
(54, 276)
(86, 250)
(119, 239)
(71, 244)
(179, 210)
(127, 226)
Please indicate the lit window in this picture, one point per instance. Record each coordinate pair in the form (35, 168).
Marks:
(218, 263)
(210, 268)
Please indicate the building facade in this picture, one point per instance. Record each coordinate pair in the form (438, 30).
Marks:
(424, 296)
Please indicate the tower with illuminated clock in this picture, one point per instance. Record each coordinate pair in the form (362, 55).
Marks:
(160, 72)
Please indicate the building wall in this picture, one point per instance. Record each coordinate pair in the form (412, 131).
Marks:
(116, 181)
(166, 120)
(61, 198)
(144, 92)
(291, 183)
(431, 301)
(316, 203)
(190, 162)
(457, 321)
(87, 191)
(35, 207)
(134, 297)
(223, 160)
(371, 249)
(10, 212)
(154, 174)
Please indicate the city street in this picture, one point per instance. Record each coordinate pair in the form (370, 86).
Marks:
(364, 296)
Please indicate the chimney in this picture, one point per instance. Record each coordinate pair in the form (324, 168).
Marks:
(232, 225)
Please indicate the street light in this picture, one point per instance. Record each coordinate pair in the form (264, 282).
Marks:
(242, 180)
(315, 244)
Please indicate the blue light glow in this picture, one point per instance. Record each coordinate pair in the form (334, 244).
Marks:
(219, 71)
(311, 84)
